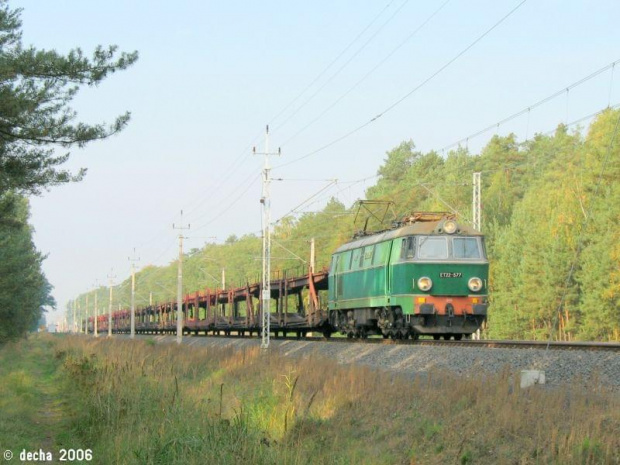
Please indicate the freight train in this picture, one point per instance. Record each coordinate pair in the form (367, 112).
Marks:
(427, 275)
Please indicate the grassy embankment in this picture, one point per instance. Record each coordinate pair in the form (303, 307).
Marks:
(33, 404)
(145, 403)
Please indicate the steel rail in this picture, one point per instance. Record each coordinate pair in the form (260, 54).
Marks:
(490, 344)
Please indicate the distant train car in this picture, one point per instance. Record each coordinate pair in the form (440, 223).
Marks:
(426, 276)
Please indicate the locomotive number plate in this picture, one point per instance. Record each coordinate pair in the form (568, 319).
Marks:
(450, 275)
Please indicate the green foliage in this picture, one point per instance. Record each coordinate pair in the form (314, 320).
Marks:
(24, 290)
(550, 215)
(36, 88)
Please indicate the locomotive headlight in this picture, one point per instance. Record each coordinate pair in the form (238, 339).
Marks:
(475, 284)
(424, 284)
(450, 226)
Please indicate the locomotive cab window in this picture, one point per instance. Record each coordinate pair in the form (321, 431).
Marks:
(466, 247)
(433, 248)
(356, 255)
(407, 249)
(366, 259)
(381, 253)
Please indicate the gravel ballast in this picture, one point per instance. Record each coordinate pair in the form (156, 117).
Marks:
(561, 367)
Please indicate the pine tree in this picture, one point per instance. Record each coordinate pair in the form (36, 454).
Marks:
(36, 89)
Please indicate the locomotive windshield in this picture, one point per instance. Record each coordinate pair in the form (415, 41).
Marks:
(465, 247)
(442, 248)
(433, 248)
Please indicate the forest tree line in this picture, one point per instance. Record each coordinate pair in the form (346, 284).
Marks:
(550, 214)
(36, 119)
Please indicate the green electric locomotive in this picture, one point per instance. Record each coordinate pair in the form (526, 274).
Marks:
(426, 276)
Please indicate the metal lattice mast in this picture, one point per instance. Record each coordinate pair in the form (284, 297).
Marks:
(266, 279)
(477, 216)
(180, 282)
(476, 203)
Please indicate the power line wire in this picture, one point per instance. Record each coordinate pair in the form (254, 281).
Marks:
(286, 107)
(346, 63)
(354, 86)
(408, 94)
(533, 106)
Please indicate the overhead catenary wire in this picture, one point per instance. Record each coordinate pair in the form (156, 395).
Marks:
(528, 109)
(194, 205)
(365, 76)
(584, 118)
(231, 204)
(343, 183)
(318, 76)
(346, 63)
(410, 93)
(242, 155)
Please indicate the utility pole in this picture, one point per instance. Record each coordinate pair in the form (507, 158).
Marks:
(74, 325)
(95, 325)
(86, 310)
(266, 285)
(476, 203)
(151, 305)
(111, 278)
(180, 281)
(223, 279)
(133, 292)
(477, 216)
(312, 256)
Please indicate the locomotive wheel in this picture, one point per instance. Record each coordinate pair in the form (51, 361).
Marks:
(436, 336)
(458, 337)
(446, 337)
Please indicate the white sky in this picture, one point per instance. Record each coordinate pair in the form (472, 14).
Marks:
(212, 74)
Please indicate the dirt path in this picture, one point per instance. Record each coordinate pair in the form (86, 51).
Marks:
(34, 399)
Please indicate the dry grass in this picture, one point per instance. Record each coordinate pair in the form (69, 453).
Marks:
(147, 403)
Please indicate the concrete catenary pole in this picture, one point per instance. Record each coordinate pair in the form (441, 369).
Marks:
(133, 293)
(95, 323)
(74, 325)
(312, 257)
(180, 282)
(111, 280)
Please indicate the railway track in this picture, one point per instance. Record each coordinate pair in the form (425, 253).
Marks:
(589, 365)
(491, 344)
